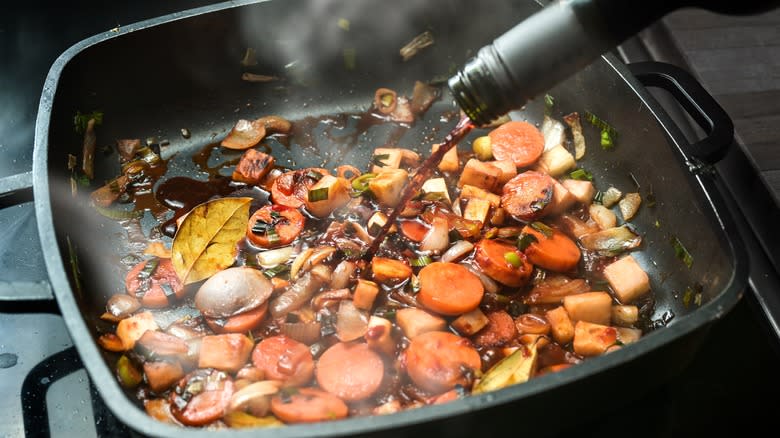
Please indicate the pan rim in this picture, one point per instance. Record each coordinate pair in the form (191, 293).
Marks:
(137, 419)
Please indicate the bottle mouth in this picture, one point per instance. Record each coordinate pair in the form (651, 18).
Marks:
(481, 88)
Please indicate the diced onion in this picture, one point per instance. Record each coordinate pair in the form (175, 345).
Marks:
(351, 323)
(488, 283)
(437, 238)
(629, 205)
(553, 131)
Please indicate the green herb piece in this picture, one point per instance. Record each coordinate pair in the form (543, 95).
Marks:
(525, 240)
(360, 184)
(606, 140)
(434, 196)
(148, 269)
(549, 102)
(80, 120)
(275, 215)
(491, 233)
(320, 194)
(272, 235)
(313, 174)
(421, 261)
(350, 58)
(414, 283)
(128, 374)
(681, 252)
(376, 160)
(601, 124)
(82, 180)
(598, 198)
(276, 270)
(581, 174)
(513, 259)
(657, 224)
(343, 23)
(542, 228)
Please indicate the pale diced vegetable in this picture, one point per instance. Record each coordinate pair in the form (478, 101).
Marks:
(228, 352)
(483, 150)
(593, 339)
(553, 132)
(595, 307)
(628, 335)
(498, 217)
(471, 322)
(337, 195)
(508, 170)
(477, 209)
(414, 322)
(627, 279)
(379, 335)
(388, 185)
(556, 161)
(436, 186)
(469, 191)
(449, 163)
(561, 200)
(479, 174)
(561, 326)
(604, 217)
(131, 329)
(365, 294)
(629, 205)
(625, 315)
(610, 197)
(390, 158)
(376, 222)
(581, 189)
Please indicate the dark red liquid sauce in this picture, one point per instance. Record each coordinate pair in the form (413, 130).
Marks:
(460, 131)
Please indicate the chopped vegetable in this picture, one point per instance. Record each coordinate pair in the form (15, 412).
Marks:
(419, 262)
(482, 148)
(385, 101)
(549, 102)
(419, 42)
(581, 174)
(601, 124)
(320, 194)
(516, 368)
(681, 252)
(573, 120)
(629, 205)
(128, 374)
(513, 259)
(627, 279)
(80, 120)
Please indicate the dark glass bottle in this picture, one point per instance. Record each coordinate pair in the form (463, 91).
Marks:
(558, 41)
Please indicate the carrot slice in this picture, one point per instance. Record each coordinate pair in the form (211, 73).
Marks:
(449, 289)
(283, 358)
(276, 225)
(206, 406)
(352, 371)
(241, 323)
(556, 252)
(308, 405)
(496, 259)
(520, 142)
(527, 195)
(163, 279)
(437, 361)
(244, 135)
(292, 188)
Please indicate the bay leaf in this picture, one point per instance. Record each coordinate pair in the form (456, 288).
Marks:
(206, 242)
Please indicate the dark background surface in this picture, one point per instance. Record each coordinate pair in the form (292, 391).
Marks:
(732, 384)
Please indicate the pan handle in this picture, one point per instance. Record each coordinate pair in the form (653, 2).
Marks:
(697, 102)
(14, 190)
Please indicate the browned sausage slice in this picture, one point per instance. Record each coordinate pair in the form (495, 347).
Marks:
(351, 371)
(308, 405)
(437, 361)
(496, 259)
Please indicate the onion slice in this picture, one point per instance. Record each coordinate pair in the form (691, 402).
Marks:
(351, 323)
(437, 238)
(456, 251)
(273, 257)
(612, 241)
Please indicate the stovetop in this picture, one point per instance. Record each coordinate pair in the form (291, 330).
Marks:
(46, 391)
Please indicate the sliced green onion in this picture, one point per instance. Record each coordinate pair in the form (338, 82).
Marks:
(606, 140)
(549, 102)
(542, 228)
(167, 290)
(344, 24)
(581, 174)
(276, 270)
(513, 259)
(598, 198)
(681, 252)
(491, 233)
(350, 58)
(148, 269)
(414, 283)
(128, 374)
(272, 236)
(525, 240)
(148, 155)
(421, 261)
(320, 194)
(117, 214)
(434, 196)
(601, 124)
(376, 160)
(313, 174)
(361, 183)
